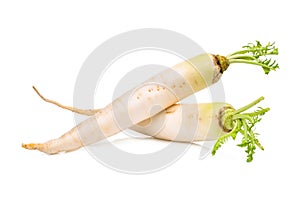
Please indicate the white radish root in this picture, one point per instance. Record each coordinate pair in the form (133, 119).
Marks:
(163, 90)
(179, 122)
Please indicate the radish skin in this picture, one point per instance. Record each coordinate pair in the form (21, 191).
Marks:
(163, 90)
(208, 118)
(167, 123)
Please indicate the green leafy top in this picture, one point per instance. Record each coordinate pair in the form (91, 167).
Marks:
(256, 54)
(239, 122)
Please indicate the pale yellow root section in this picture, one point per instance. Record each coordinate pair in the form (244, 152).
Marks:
(185, 123)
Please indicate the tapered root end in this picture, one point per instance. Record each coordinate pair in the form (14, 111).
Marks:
(31, 146)
(42, 147)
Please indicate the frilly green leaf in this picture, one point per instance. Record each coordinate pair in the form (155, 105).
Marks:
(244, 124)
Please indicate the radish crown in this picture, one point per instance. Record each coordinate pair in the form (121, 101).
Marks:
(239, 122)
(256, 54)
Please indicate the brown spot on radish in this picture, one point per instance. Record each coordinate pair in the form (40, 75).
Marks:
(190, 116)
(215, 60)
(221, 62)
(144, 123)
(172, 108)
(173, 86)
(149, 90)
(137, 97)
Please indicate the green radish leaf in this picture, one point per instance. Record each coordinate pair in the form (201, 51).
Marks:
(256, 54)
(244, 124)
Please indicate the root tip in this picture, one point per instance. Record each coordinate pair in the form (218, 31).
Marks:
(31, 146)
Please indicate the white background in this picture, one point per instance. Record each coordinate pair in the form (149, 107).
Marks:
(45, 44)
